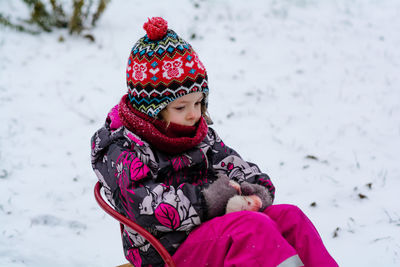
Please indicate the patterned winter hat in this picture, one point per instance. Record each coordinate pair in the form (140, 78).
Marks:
(161, 68)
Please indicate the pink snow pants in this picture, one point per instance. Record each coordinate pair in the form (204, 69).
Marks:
(282, 235)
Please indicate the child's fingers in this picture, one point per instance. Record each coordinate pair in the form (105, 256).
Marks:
(236, 186)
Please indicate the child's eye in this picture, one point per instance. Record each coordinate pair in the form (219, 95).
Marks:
(198, 103)
(179, 108)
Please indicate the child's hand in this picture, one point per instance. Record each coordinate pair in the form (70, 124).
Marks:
(217, 195)
(239, 203)
(236, 186)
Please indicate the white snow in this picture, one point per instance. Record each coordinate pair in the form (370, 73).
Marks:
(288, 79)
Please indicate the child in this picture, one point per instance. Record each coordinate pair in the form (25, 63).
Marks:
(158, 159)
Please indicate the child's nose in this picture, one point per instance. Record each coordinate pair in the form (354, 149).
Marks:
(191, 113)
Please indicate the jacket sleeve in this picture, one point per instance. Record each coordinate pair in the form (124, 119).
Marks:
(228, 161)
(132, 187)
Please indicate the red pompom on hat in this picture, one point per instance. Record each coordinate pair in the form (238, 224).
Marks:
(156, 28)
(161, 68)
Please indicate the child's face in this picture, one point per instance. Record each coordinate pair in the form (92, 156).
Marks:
(185, 110)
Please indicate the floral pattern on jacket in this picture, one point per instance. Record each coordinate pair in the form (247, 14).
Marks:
(161, 192)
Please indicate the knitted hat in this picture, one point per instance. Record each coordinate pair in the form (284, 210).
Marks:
(161, 68)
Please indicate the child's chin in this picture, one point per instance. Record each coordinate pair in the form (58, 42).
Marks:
(188, 124)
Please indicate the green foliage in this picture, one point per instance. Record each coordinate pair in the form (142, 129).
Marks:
(46, 16)
(6, 22)
(75, 23)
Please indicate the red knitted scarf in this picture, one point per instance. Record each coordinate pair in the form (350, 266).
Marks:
(172, 138)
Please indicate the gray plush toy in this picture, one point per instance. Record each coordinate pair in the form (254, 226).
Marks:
(225, 196)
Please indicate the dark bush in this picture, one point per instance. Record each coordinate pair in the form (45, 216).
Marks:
(79, 16)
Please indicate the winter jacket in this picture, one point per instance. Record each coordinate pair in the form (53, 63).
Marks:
(162, 192)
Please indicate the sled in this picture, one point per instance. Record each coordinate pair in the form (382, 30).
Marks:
(131, 224)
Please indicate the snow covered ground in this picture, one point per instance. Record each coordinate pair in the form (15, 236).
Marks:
(309, 90)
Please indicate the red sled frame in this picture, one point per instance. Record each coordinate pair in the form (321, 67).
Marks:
(131, 224)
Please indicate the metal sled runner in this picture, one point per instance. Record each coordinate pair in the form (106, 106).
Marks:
(140, 230)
